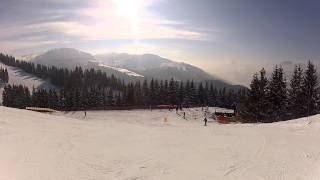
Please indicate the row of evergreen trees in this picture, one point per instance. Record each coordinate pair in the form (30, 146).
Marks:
(133, 95)
(187, 94)
(16, 96)
(4, 77)
(272, 100)
(93, 89)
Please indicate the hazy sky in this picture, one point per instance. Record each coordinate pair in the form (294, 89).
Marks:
(228, 38)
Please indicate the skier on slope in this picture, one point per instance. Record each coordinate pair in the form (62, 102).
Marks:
(205, 121)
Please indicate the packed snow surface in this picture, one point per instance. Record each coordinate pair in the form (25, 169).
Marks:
(122, 70)
(158, 144)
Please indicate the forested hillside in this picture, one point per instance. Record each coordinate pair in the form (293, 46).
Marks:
(93, 89)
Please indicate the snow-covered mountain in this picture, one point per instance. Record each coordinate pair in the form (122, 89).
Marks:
(64, 57)
(153, 66)
(125, 66)
(70, 58)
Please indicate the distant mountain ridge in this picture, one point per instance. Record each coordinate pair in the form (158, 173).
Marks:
(154, 66)
(64, 57)
(126, 66)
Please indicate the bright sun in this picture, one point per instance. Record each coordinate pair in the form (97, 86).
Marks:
(130, 9)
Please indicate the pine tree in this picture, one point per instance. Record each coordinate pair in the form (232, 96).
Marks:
(4, 77)
(152, 93)
(201, 95)
(34, 100)
(6, 96)
(138, 94)
(181, 94)
(27, 97)
(166, 93)
(263, 105)
(212, 96)
(193, 95)
(110, 101)
(145, 92)
(231, 99)
(295, 94)
(130, 99)
(162, 93)
(118, 100)
(173, 92)
(190, 98)
(77, 102)
(222, 97)
(156, 92)
(187, 97)
(310, 90)
(54, 100)
(16, 96)
(205, 94)
(277, 95)
(62, 99)
(255, 108)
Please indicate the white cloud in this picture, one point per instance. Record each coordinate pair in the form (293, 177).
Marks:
(10, 46)
(120, 19)
(104, 20)
(101, 20)
(140, 48)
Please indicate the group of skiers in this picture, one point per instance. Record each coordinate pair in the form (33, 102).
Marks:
(184, 115)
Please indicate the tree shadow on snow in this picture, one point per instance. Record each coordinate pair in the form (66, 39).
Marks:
(26, 76)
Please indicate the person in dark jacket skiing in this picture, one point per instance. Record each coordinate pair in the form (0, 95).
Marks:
(205, 121)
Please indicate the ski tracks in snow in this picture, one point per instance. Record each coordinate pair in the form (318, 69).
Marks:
(243, 167)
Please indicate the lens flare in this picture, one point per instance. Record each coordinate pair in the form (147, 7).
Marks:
(130, 11)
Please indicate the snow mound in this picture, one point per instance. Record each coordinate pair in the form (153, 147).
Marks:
(306, 122)
(158, 144)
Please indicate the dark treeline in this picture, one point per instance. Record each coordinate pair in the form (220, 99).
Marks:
(4, 77)
(134, 95)
(271, 100)
(16, 96)
(92, 89)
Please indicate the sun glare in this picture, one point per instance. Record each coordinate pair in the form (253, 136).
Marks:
(130, 10)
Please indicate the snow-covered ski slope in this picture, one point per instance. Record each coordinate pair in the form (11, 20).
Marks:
(17, 77)
(122, 70)
(159, 145)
